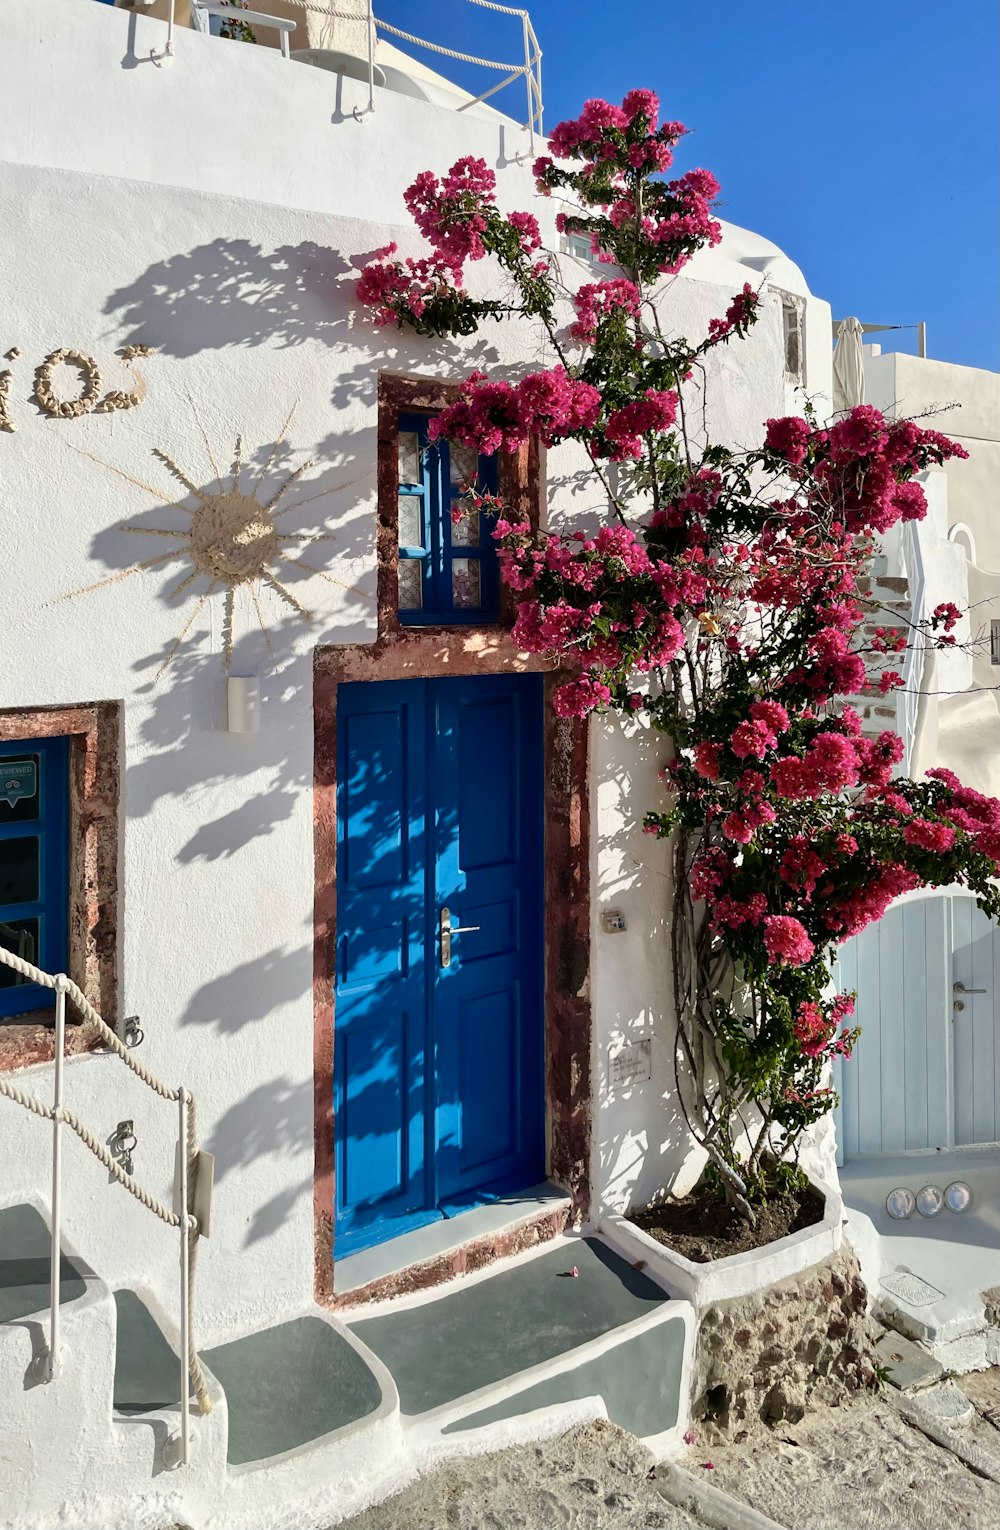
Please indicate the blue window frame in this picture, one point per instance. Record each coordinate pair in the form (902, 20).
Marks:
(448, 570)
(34, 866)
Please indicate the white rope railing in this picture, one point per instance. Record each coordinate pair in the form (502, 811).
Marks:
(184, 1221)
(530, 69)
(463, 58)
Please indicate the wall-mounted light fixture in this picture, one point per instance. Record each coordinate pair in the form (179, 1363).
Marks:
(244, 704)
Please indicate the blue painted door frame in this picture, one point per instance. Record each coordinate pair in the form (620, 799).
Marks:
(34, 865)
(438, 1068)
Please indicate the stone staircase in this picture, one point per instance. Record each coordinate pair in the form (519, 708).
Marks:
(315, 1416)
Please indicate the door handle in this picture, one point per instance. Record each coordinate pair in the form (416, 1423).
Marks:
(961, 988)
(446, 930)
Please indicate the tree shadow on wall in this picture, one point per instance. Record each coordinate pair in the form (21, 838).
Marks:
(230, 792)
(233, 292)
(640, 1125)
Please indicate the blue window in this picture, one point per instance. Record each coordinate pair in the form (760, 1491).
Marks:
(447, 569)
(34, 866)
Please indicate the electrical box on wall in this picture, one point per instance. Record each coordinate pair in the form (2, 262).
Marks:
(612, 921)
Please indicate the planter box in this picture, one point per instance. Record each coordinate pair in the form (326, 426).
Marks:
(737, 1274)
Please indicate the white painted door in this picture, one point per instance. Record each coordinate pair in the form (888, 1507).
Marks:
(976, 1052)
(926, 1071)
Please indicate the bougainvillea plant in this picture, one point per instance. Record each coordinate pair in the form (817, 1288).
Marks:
(727, 600)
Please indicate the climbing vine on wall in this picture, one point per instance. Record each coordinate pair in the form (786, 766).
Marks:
(725, 601)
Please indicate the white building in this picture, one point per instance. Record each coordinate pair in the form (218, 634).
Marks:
(217, 212)
(921, 1096)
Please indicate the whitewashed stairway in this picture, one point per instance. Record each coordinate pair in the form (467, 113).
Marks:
(314, 1417)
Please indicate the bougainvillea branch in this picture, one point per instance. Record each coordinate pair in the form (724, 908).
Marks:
(728, 603)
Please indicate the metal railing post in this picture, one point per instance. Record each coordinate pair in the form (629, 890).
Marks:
(528, 80)
(182, 1107)
(52, 1367)
(371, 55)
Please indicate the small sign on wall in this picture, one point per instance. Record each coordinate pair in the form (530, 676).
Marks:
(629, 1064)
(18, 779)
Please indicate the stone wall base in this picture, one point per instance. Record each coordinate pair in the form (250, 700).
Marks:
(768, 1357)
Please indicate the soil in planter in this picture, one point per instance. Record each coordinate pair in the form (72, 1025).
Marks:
(702, 1227)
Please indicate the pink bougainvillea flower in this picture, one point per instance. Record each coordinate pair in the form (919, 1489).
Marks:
(786, 940)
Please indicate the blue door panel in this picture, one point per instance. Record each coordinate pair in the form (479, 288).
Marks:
(488, 807)
(375, 798)
(438, 1070)
(374, 1059)
(381, 1007)
(487, 1049)
(34, 866)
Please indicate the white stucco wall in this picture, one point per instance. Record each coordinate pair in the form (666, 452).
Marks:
(959, 719)
(912, 385)
(131, 211)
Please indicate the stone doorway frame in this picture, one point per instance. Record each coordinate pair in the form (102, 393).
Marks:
(404, 652)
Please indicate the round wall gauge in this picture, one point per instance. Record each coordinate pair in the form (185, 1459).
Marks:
(900, 1203)
(958, 1196)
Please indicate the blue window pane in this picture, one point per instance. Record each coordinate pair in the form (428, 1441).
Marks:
(21, 937)
(34, 868)
(457, 577)
(19, 870)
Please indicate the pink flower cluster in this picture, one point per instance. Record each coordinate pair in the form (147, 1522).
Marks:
(816, 1030)
(864, 463)
(450, 213)
(600, 123)
(597, 300)
(946, 615)
(759, 733)
(529, 235)
(578, 698)
(503, 416)
(392, 287)
(741, 313)
(787, 940)
(927, 835)
(649, 415)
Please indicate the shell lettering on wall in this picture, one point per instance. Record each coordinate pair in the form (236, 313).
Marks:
(90, 399)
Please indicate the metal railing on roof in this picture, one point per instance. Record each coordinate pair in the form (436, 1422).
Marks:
(530, 69)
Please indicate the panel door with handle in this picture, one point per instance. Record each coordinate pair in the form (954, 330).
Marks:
(926, 1071)
(438, 1056)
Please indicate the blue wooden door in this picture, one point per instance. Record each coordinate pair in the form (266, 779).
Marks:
(438, 1054)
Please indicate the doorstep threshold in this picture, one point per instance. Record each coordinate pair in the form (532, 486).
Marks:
(437, 1239)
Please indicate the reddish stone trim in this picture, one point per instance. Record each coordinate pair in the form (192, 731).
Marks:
(471, 1256)
(94, 733)
(426, 652)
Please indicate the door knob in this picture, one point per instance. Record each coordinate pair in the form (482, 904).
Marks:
(447, 930)
(961, 988)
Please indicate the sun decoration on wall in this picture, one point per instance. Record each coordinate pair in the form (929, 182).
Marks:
(233, 540)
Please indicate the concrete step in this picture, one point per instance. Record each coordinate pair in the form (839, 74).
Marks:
(49, 1428)
(146, 1398)
(293, 1385)
(542, 1331)
(313, 1411)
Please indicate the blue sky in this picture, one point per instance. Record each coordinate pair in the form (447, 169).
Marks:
(861, 137)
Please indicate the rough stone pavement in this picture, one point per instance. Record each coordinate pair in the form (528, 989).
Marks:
(596, 1477)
